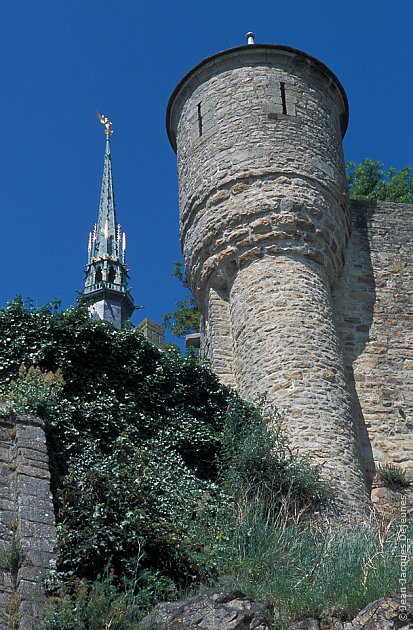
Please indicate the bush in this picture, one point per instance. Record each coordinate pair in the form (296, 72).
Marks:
(115, 507)
(257, 463)
(82, 606)
(33, 391)
(392, 474)
(133, 435)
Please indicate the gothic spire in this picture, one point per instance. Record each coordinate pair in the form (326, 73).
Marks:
(106, 288)
(105, 241)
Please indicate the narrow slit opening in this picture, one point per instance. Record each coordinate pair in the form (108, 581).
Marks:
(284, 102)
(199, 119)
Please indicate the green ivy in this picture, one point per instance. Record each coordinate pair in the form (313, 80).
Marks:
(134, 436)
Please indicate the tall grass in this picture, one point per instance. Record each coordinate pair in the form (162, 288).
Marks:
(306, 568)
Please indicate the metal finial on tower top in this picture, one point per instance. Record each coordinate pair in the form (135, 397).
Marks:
(105, 121)
(250, 38)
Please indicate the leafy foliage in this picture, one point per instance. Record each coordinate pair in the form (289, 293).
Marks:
(368, 180)
(99, 606)
(185, 319)
(258, 464)
(133, 437)
(33, 390)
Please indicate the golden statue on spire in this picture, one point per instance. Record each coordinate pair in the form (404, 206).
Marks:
(105, 121)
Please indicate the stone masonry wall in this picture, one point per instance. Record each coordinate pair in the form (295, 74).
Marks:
(288, 348)
(374, 315)
(217, 342)
(264, 221)
(252, 170)
(26, 520)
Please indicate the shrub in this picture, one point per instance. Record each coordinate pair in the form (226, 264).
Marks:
(133, 438)
(257, 463)
(32, 391)
(392, 474)
(83, 606)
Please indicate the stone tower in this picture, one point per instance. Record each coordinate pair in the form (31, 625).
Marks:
(264, 221)
(106, 285)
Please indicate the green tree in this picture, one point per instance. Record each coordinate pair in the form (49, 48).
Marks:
(369, 180)
(186, 318)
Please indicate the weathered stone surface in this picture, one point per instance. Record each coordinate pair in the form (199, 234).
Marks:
(40, 472)
(27, 512)
(264, 221)
(391, 501)
(37, 514)
(386, 613)
(306, 624)
(233, 611)
(220, 611)
(33, 486)
(331, 623)
(288, 362)
(32, 529)
(289, 304)
(373, 306)
(32, 600)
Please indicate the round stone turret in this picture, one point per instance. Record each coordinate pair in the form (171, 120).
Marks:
(264, 221)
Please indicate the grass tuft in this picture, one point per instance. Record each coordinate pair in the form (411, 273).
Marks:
(394, 475)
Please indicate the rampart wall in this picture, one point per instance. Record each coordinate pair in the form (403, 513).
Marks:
(373, 307)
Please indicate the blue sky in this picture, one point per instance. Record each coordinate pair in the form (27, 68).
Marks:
(60, 62)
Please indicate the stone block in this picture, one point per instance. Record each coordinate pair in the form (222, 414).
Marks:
(37, 472)
(30, 529)
(31, 545)
(38, 514)
(42, 559)
(31, 591)
(31, 486)
(31, 573)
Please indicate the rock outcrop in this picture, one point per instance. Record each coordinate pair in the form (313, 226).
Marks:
(234, 611)
(220, 611)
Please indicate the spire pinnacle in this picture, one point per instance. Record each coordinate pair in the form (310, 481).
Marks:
(108, 124)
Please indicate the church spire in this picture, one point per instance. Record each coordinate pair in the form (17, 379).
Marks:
(106, 288)
(107, 231)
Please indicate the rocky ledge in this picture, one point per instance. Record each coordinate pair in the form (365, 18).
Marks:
(234, 611)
